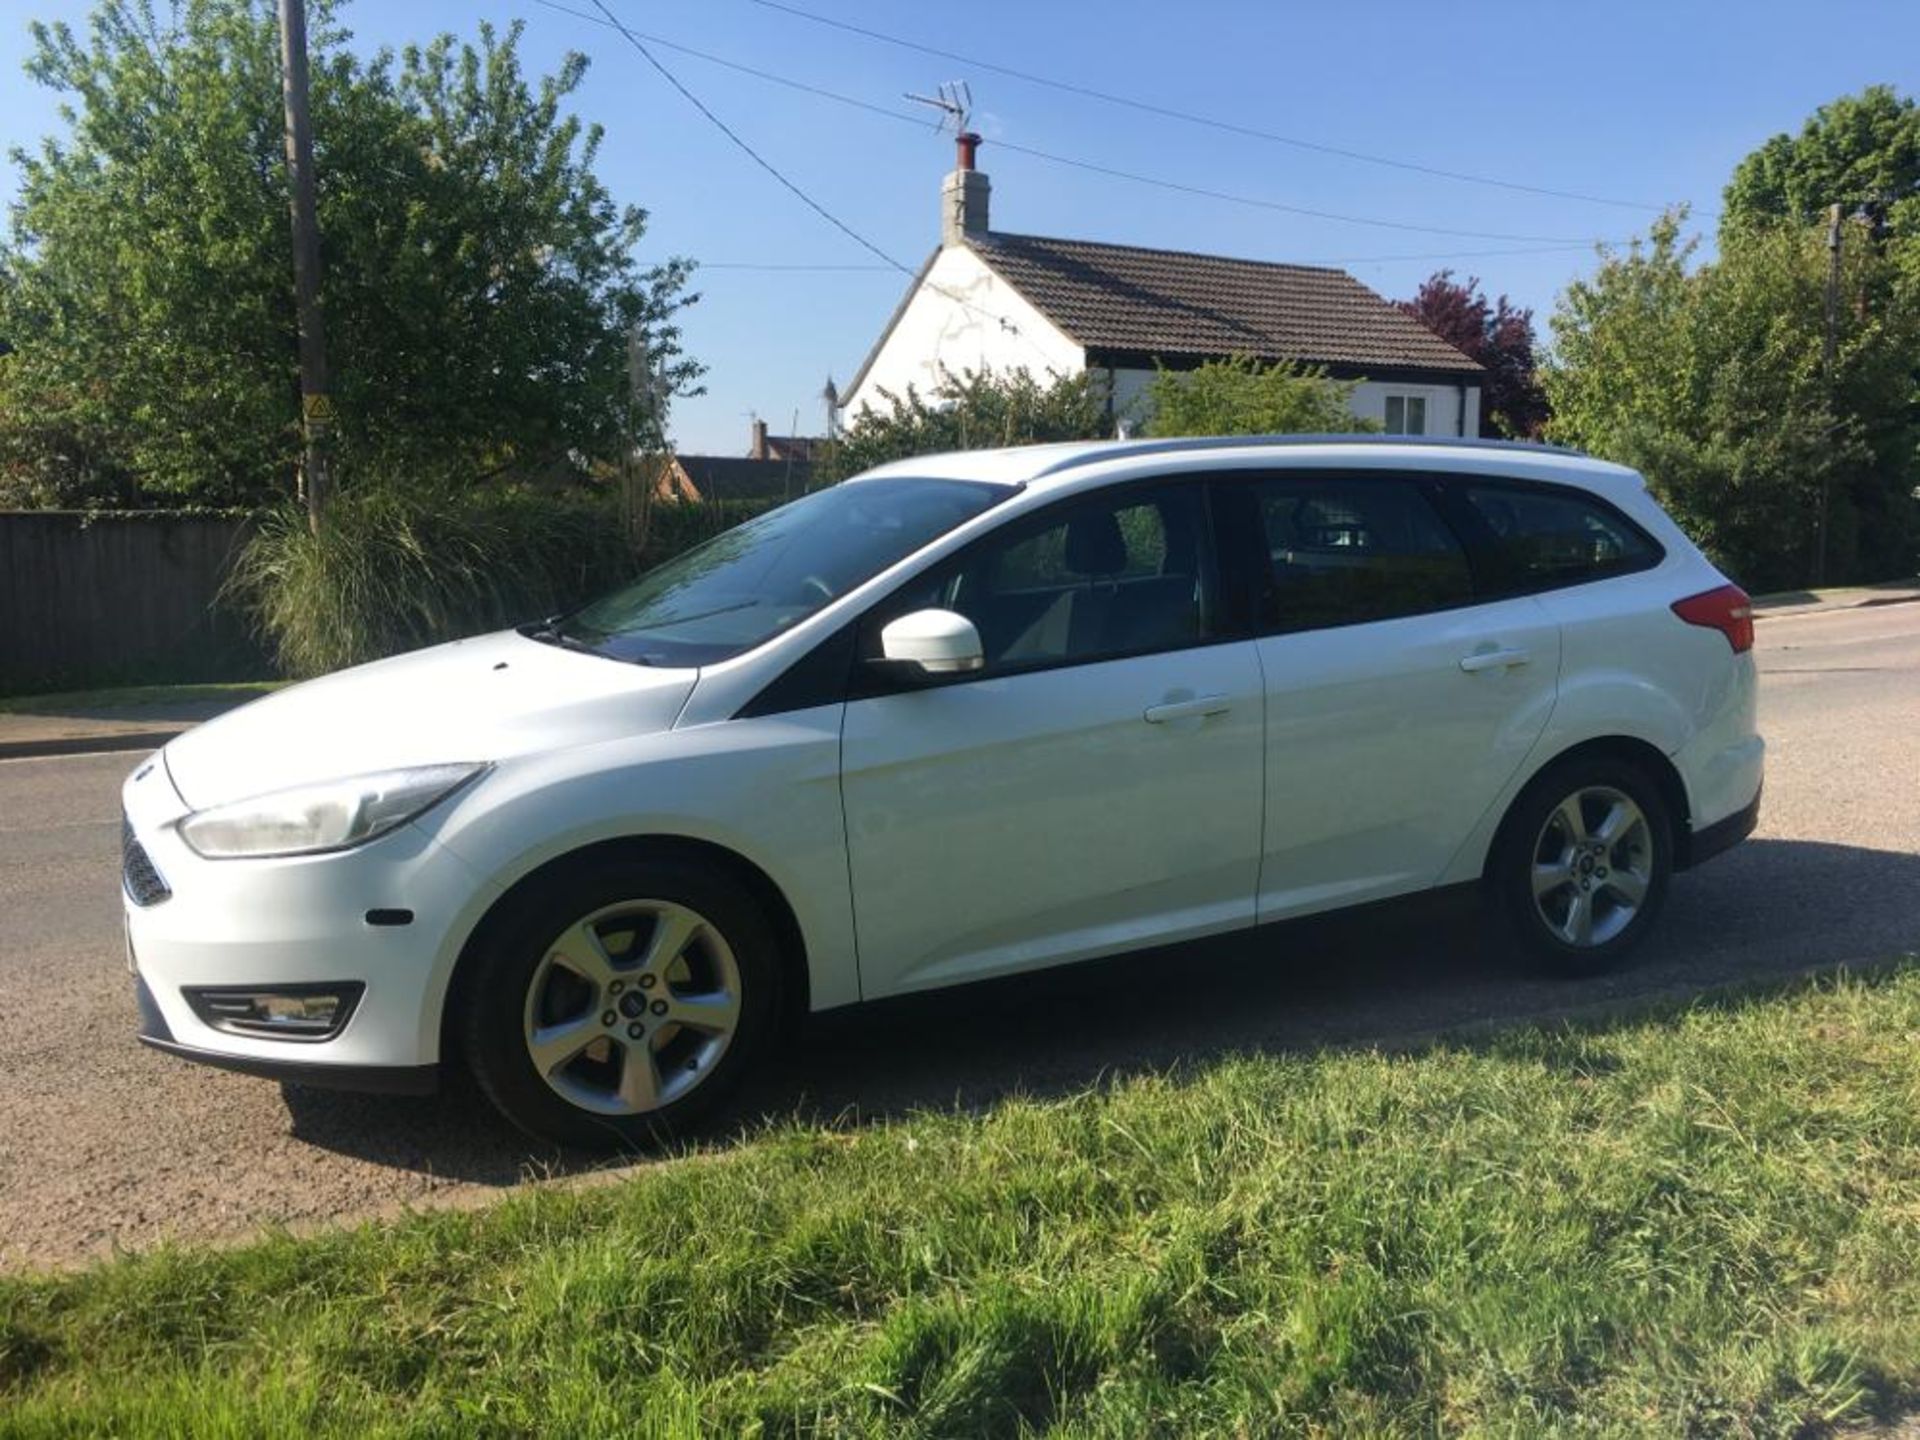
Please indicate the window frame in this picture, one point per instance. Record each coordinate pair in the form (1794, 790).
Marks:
(1493, 567)
(1407, 399)
(1257, 563)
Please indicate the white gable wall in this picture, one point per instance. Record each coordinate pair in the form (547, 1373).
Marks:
(962, 317)
(1131, 406)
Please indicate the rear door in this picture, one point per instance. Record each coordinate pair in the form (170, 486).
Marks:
(1095, 788)
(1399, 702)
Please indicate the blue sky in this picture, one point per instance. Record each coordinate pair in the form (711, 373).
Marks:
(1637, 102)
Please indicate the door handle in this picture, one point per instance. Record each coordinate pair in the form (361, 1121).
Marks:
(1493, 660)
(1200, 705)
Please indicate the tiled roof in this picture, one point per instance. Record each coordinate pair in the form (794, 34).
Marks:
(1171, 303)
(725, 477)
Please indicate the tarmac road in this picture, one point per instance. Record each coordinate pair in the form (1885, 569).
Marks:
(106, 1145)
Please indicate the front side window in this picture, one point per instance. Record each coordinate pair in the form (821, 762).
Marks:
(1406, 415)
(1551, 537)
(1102, 577)
(742, 588)
(1349, 550)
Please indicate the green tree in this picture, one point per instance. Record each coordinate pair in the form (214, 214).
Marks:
(1708, 378)
(480, 282)
(1862, 151)
(1241, 396)
(975, 411)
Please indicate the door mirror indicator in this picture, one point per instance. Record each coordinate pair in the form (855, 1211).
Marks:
(931, 642)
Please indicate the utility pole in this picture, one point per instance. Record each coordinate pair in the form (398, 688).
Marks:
(1828, 345)
(316, 405)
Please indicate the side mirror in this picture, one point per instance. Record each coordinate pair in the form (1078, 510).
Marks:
(932, 642)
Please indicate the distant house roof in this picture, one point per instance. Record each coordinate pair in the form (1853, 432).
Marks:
(726, 477)
(1172, 303)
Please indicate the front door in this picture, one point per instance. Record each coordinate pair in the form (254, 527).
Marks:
(1095, 788)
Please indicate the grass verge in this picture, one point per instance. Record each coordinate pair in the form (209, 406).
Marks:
(1703, 1223)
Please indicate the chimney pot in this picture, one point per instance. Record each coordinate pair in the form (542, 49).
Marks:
(967, 147)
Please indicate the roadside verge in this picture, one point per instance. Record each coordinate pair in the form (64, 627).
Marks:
(100, 721)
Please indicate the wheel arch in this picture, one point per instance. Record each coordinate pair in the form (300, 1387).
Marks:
(639, 849)
(1647, 757)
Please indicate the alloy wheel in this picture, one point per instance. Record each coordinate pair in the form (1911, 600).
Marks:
(1592, 866)
(632, 1007)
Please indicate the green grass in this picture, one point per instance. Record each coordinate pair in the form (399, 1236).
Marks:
(1705, 1223)
(131, 697)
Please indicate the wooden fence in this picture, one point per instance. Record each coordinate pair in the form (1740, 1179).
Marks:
(119, 599)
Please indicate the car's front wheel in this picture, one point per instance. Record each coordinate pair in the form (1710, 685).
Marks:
(619, 1006)
(1583, 864)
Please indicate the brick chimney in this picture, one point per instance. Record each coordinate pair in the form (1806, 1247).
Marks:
(963, 197)
(759, 450)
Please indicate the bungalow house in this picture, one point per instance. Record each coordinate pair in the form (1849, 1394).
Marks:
(991, 301)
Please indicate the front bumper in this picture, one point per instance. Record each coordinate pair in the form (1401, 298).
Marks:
(383, 1079)
(291, 923)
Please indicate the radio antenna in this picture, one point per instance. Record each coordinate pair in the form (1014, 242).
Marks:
(952, 104)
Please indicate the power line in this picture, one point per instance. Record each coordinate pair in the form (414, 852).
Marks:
(748, 150)
(1185, 189)
(783, 265)
(772, 76)
(779, 266)
(1048, 157)
(1191, 118)
(1459, 254)
(814, 205)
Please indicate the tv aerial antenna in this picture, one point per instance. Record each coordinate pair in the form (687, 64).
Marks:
(952, 104)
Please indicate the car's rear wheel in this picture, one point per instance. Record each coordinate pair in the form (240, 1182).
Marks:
(1583, 864)
(620, 1006)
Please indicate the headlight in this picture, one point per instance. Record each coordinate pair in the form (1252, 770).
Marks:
(333, 815)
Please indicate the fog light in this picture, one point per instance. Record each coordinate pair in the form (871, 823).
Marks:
(286, 1012)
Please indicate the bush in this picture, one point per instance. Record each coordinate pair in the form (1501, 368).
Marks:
(974, 411)
(396, 568)
(1710, 378)
(1241, 396)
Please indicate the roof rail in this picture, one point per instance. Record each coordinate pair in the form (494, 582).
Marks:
(1112, 449)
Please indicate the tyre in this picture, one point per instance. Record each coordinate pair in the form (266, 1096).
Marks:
(1582, 866)
(618, 1007)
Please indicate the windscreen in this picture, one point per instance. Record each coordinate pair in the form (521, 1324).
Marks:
(743, 587)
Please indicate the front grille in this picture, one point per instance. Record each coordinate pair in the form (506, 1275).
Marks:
(143, 882)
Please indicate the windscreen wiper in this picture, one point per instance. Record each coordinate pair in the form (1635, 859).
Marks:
(548, 632)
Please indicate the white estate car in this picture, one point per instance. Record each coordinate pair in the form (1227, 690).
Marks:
(962, 716)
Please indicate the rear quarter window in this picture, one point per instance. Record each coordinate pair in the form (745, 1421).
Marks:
(1545, 538)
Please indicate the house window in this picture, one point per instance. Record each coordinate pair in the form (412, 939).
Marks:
(1406, 414)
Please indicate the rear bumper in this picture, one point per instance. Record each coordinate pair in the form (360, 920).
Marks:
(379, 1079)
(1723, 835)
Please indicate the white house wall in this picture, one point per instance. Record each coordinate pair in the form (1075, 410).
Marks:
(1443, 405)
(1130, 404)
(963, 317)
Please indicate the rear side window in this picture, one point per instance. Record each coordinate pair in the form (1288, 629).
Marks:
(1345, 551)
(1552, 537)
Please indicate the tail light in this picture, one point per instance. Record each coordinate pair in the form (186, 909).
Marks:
(1727, 610)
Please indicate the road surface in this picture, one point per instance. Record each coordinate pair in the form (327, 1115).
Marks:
(106, 1145)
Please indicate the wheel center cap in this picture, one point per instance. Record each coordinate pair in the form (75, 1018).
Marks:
(632, 1004)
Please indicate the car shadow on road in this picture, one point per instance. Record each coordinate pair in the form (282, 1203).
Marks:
(1769, 910)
